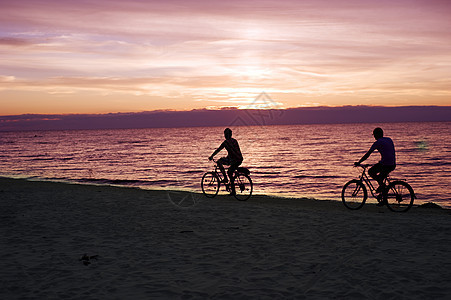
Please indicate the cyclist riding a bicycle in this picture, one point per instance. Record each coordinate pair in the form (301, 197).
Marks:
(387, 163)
(233, 159)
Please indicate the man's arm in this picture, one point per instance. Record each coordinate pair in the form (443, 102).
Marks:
(365, 156)
(216, 151)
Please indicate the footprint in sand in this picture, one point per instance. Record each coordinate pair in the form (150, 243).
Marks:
(87, 260)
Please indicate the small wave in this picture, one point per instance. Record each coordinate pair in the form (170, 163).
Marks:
(45, 143)
(130, 142)
(35, 155)
(319, 138)
(99, 159)
(72, 169)
(430, 164)
(316, 176)
(39, 159)
(267, 167)
(263, 173)
(192, 172)
(126, 182)
(110, 181)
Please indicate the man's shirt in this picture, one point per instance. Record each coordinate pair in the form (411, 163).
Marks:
(386, 148)
(233, 149)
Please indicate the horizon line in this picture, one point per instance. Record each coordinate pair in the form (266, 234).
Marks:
(225, 108)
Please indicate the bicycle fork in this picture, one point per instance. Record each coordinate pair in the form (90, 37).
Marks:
(356, 190)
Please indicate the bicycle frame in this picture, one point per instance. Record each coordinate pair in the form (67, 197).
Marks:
(364, 178)
(218, 173)
(240, 185)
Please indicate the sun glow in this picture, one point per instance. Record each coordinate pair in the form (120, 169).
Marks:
(251, 73)
(153, 55)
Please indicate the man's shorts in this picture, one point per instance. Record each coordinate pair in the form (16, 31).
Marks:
(225, 161)
(381, 169)
(228, 162)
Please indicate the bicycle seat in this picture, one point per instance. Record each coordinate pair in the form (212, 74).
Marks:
(243, 170)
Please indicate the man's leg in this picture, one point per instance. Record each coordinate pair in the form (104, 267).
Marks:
(374, 172)
(383, 173)
(221, 167)
(231, 170)
(385, 170)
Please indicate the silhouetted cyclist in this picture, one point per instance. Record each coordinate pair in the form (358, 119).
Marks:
(233, 159)
(387, 163)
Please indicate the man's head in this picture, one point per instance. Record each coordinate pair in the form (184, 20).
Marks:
(378, 133)
(227, 133)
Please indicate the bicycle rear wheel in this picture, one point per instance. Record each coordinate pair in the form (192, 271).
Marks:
(210, 184)
(399, 196)
(354, 194)
(243, 186)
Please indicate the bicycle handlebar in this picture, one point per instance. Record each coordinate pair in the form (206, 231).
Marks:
(364, 166)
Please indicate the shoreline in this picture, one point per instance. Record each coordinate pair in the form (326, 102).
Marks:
(283, 197)
(88, 241)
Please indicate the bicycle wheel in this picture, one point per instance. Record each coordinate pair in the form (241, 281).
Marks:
(354, 194)
(210, 184)
(243, 186)
(399, 196)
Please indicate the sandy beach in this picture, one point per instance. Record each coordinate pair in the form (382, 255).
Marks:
(71, 241)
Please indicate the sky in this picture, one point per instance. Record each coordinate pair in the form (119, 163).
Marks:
(108, 56)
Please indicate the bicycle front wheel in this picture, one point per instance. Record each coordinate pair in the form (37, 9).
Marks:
(243, 186)
(210, 184)
(354, 194)
(399, 196)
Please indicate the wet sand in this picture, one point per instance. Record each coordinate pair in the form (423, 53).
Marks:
(98, 242)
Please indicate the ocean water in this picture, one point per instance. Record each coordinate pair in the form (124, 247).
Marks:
(312, 161)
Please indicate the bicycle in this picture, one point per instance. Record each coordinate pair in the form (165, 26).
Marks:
(211, 182)
(398, 195)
